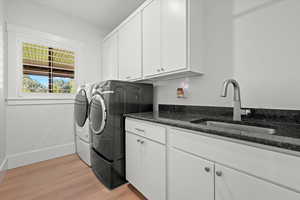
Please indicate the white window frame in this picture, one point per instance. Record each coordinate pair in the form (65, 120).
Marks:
(24, 35)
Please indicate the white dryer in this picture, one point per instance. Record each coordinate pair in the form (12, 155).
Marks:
(82, 132)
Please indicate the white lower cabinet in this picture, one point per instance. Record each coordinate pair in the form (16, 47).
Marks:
(200, 167)
(190, 177)
(133, 157)
(154, 170)
(145, 166)
(234, 185)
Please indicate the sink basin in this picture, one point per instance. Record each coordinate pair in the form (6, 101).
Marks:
(238, 127)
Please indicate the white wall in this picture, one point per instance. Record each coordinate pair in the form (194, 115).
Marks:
(40, 18)
(39, 132)
(255, 41)
(267, 53)
(43, 129)
(205, 90)
(2, 98)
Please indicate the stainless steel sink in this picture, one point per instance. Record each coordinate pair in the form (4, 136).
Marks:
(240, 127)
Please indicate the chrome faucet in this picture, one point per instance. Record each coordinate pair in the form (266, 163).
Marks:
(237, 111)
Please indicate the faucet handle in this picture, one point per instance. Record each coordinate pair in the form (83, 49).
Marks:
(246, 112)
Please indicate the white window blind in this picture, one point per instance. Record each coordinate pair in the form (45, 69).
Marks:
(48, 70)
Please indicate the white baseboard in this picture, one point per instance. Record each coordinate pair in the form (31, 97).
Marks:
(27, 158)
(3, 168)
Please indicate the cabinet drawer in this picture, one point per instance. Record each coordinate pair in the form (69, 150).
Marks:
(276, 167)
(147, 130)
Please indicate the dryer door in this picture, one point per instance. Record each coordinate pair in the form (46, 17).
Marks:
(81, 107)
(97, 116)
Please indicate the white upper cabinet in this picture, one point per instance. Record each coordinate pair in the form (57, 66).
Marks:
(130, 49)
(173, 38)
(151, 39)
(110, 58)
(162, 38)
(174, 34)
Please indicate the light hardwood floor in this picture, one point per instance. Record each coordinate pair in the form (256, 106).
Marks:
(60, 179)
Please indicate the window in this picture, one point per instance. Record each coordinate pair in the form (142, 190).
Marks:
(48, 70)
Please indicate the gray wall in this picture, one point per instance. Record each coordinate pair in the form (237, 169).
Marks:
(256, 42)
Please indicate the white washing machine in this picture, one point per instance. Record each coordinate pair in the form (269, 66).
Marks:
(82, 131)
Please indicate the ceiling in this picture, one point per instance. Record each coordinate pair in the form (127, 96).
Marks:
(106, 14)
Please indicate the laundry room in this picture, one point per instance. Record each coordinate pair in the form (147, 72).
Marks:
(149, 99)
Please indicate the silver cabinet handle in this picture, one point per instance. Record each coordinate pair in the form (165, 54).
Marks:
(140, 130)
(219, 173)
(158, 70)
(107, 92)
(140, 141)
(162, 69)
(128, 77)
(207, 169)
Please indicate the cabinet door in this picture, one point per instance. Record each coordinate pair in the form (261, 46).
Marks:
(130, 49)
(153, 170)
(133, 160)
(110, 58)
(151, 39)
(174, 34)
(190, 177)
(234, 185)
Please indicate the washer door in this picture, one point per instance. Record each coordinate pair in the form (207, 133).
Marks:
(81, 107)
(97, 116)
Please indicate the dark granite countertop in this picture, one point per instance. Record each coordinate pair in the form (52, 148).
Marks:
(286, 123)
